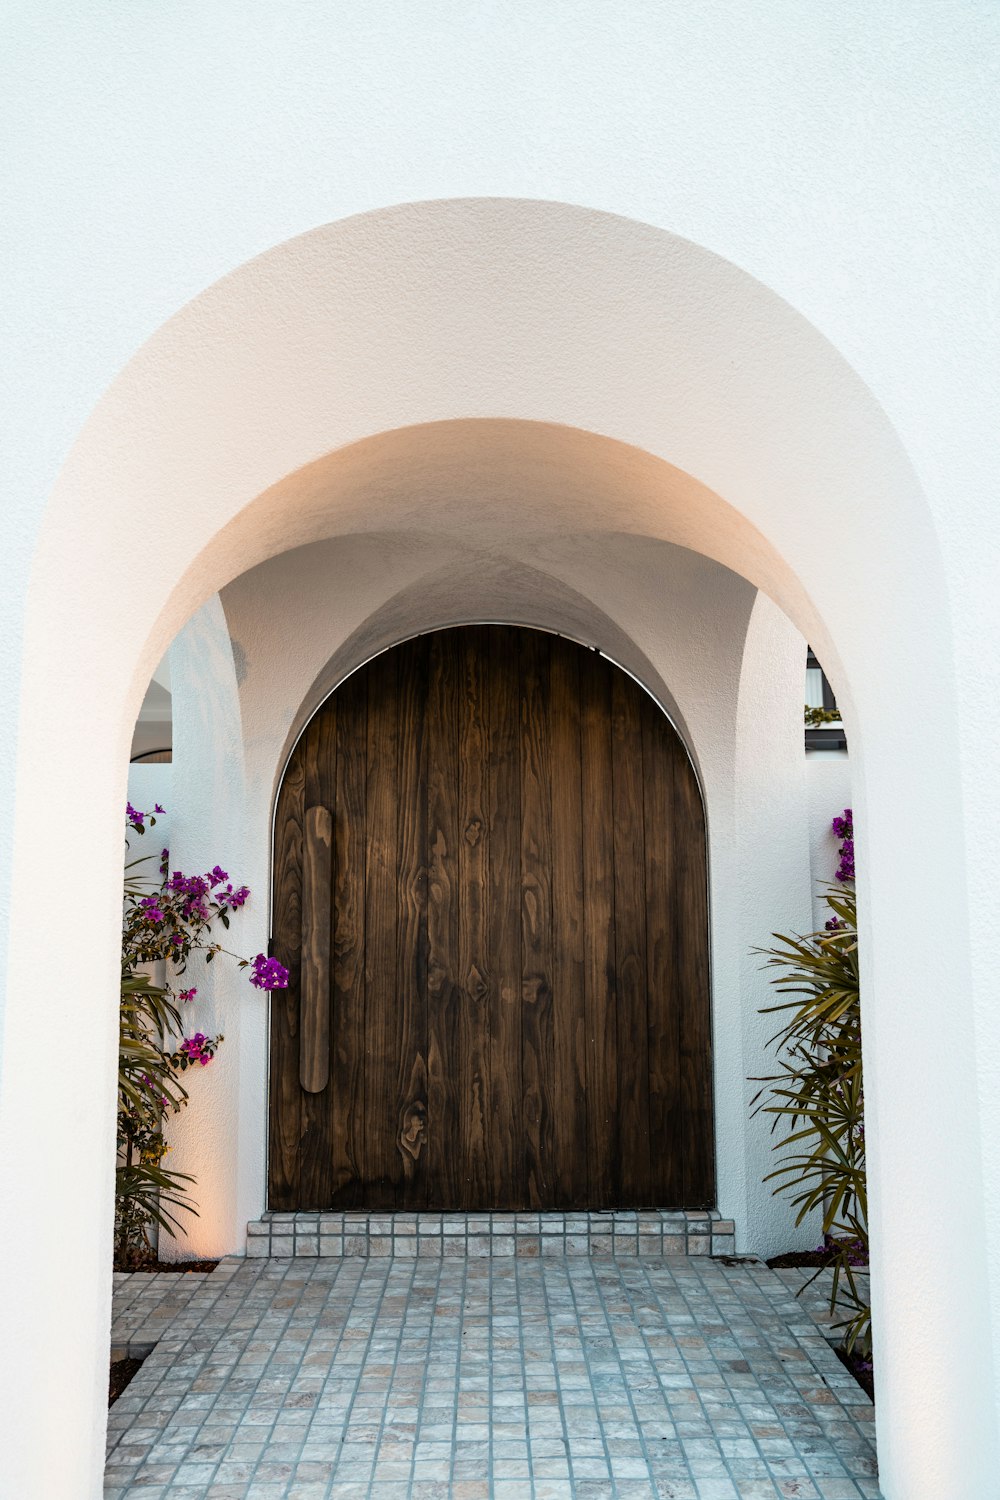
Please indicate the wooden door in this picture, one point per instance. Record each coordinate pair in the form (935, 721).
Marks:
(490, 891)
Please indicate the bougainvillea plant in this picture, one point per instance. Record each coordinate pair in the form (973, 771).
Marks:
(819, 1090)
(165, 922)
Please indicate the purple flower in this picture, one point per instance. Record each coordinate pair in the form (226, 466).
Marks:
(844, 827)
(218, 875)
(134, 817)
(844, 830)
(188, 994)
(150, 907)
(198, 1048)
(157, 808)
(268, 974)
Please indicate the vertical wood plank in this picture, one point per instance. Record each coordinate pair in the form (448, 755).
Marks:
(599, 934)
(445, 1171)
(507, 1165)
(569, 1087)
(536, 920)
(474, 965)
(411, 948)
(314, 1008)
(347, 1147)
(319, 767)
(695, 1133)
(383, 1175)
(665, 1004)
(630, 942)
(284, 1113)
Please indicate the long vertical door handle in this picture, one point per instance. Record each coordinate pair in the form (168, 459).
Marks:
(314, 1012)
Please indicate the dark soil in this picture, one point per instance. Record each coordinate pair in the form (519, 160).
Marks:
(122, 1371)
(860, 1368)
(150, 1263)
(799, 1258)
(806, 1258)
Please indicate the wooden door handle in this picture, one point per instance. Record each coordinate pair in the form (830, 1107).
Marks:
(314, 1004)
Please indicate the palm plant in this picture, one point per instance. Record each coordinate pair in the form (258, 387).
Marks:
(818, 1093)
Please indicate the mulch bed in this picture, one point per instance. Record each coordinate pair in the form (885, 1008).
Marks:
(799, 1258)
(150, 1263)
(122, 1371)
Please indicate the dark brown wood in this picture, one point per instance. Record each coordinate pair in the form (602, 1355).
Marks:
(518, 1007)
(632, 996)
(316, 1126)
(346, 1147)
(507, 1163)
(473, 1037)
(597, 816)
(664, 1029)
(569, 1020)
(444, 1164)
(314, 1007)
(411, 937)
(537, 1053)
(383, 1176)
(285, 1103)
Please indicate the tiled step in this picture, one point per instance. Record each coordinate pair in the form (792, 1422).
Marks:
(613, 1235)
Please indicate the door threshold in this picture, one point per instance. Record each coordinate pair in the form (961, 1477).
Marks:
(610, 1234)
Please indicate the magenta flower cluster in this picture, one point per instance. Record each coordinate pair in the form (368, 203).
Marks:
(268, 974)
(137, 819)
(174, 920)
(201, 896)
(844, 830)
(198, 1048)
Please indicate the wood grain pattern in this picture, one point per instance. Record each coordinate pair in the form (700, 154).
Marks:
(518, 1002)
(569, 1021)
(411, 937)
(319, 751)
(443, 1066)
(507, 1162)
(285, 1103)
(314, 1005)
(383, 1168)
(347, 1083)
(472, 1037)
(631, 992)
(666, 1161)
(536, 922)
(599, 978)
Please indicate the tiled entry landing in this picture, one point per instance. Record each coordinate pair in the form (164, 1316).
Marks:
(555, 1378)
(607, 1235)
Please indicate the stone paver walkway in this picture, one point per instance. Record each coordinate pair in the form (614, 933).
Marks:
(305, 1379)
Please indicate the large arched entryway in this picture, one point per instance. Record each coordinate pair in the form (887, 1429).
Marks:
(490, 889)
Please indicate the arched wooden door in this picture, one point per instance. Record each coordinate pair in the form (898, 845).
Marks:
(490, 891)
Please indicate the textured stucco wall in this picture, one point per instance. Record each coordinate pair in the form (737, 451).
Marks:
(842, 160)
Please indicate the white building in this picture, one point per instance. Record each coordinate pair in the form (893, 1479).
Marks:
(666, 327)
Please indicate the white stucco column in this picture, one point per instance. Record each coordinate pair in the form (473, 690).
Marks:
(208, 817)
(769, 890)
